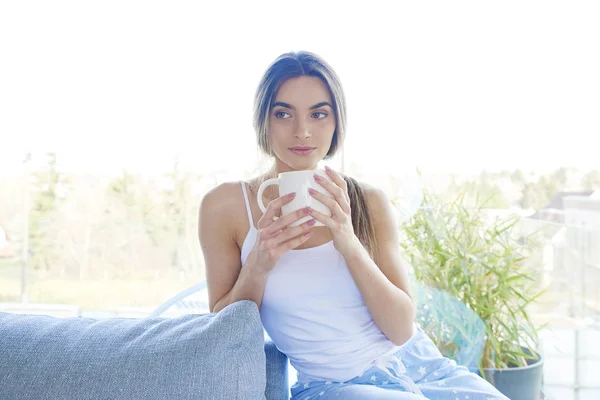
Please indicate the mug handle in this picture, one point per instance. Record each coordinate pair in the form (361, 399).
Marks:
(261, 189)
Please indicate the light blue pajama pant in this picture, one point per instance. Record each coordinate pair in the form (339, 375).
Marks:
(417, 371)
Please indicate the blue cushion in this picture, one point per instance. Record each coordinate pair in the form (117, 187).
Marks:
(277, 373)
(211, 356)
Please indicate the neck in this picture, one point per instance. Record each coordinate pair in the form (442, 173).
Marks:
(279, 167)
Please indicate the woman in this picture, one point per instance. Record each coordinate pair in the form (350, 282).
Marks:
(335, 299)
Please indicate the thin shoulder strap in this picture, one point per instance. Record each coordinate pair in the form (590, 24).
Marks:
(250, 220)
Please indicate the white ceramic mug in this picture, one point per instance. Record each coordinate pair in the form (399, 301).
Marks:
(299, 182)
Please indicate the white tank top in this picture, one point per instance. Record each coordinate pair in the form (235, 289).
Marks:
(315, 314)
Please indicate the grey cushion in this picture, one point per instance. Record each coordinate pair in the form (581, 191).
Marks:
(277, 373)
(211, 356)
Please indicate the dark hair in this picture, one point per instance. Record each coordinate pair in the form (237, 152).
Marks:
(303, 63)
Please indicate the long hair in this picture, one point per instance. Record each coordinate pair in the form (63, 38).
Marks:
(303, 63)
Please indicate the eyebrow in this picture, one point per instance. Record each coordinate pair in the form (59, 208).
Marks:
(286, 105)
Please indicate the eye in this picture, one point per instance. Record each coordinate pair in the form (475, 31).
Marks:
(281, 115)
(319, 115)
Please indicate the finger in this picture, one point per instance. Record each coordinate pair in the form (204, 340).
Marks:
(290, 233)
(273, 209)
(322, 218)
(335, 190)
(332, 204)
(283, 222)
(295, 242)
(339, 180)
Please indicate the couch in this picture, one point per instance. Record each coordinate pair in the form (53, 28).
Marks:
(200, 356)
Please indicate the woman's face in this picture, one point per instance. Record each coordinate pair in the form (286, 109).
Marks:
(301, 123)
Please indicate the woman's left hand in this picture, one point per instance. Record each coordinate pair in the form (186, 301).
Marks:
(340, 221)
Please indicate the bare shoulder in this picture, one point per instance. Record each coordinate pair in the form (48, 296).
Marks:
(377, 198)
(219, 223)
(223, 205)
(222, 196)
(380, 207)
(372, 192)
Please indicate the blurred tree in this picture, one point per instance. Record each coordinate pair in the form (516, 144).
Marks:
(559, 178)
(48, 192)
(518, 177)
(484, 190)
(123, 189)
(548, 186)
(125, 217)
(538, 194)
(591, 180)
(176, 193)
(529, 197)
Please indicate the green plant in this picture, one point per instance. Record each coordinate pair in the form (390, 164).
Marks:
(482, 262)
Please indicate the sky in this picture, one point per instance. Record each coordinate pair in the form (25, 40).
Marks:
(435, 85)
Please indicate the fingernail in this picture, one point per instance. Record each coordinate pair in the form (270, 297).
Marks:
(307, 210)
(317, 177)
(312, 191)
(312, 222)
(291, 195)
(307, 234)
(327, 168)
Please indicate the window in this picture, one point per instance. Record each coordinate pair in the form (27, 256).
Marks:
(118, 119)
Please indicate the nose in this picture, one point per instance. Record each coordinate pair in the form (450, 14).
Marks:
(301, 129)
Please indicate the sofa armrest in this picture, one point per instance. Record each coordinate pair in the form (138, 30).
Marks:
(213, 356)
(277, 373)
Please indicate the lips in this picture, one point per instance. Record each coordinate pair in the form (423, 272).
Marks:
(302, 150)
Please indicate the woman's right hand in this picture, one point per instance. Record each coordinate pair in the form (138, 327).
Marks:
(275, 237)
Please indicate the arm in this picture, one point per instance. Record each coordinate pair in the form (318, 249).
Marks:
(384, 286)
(227, 281)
